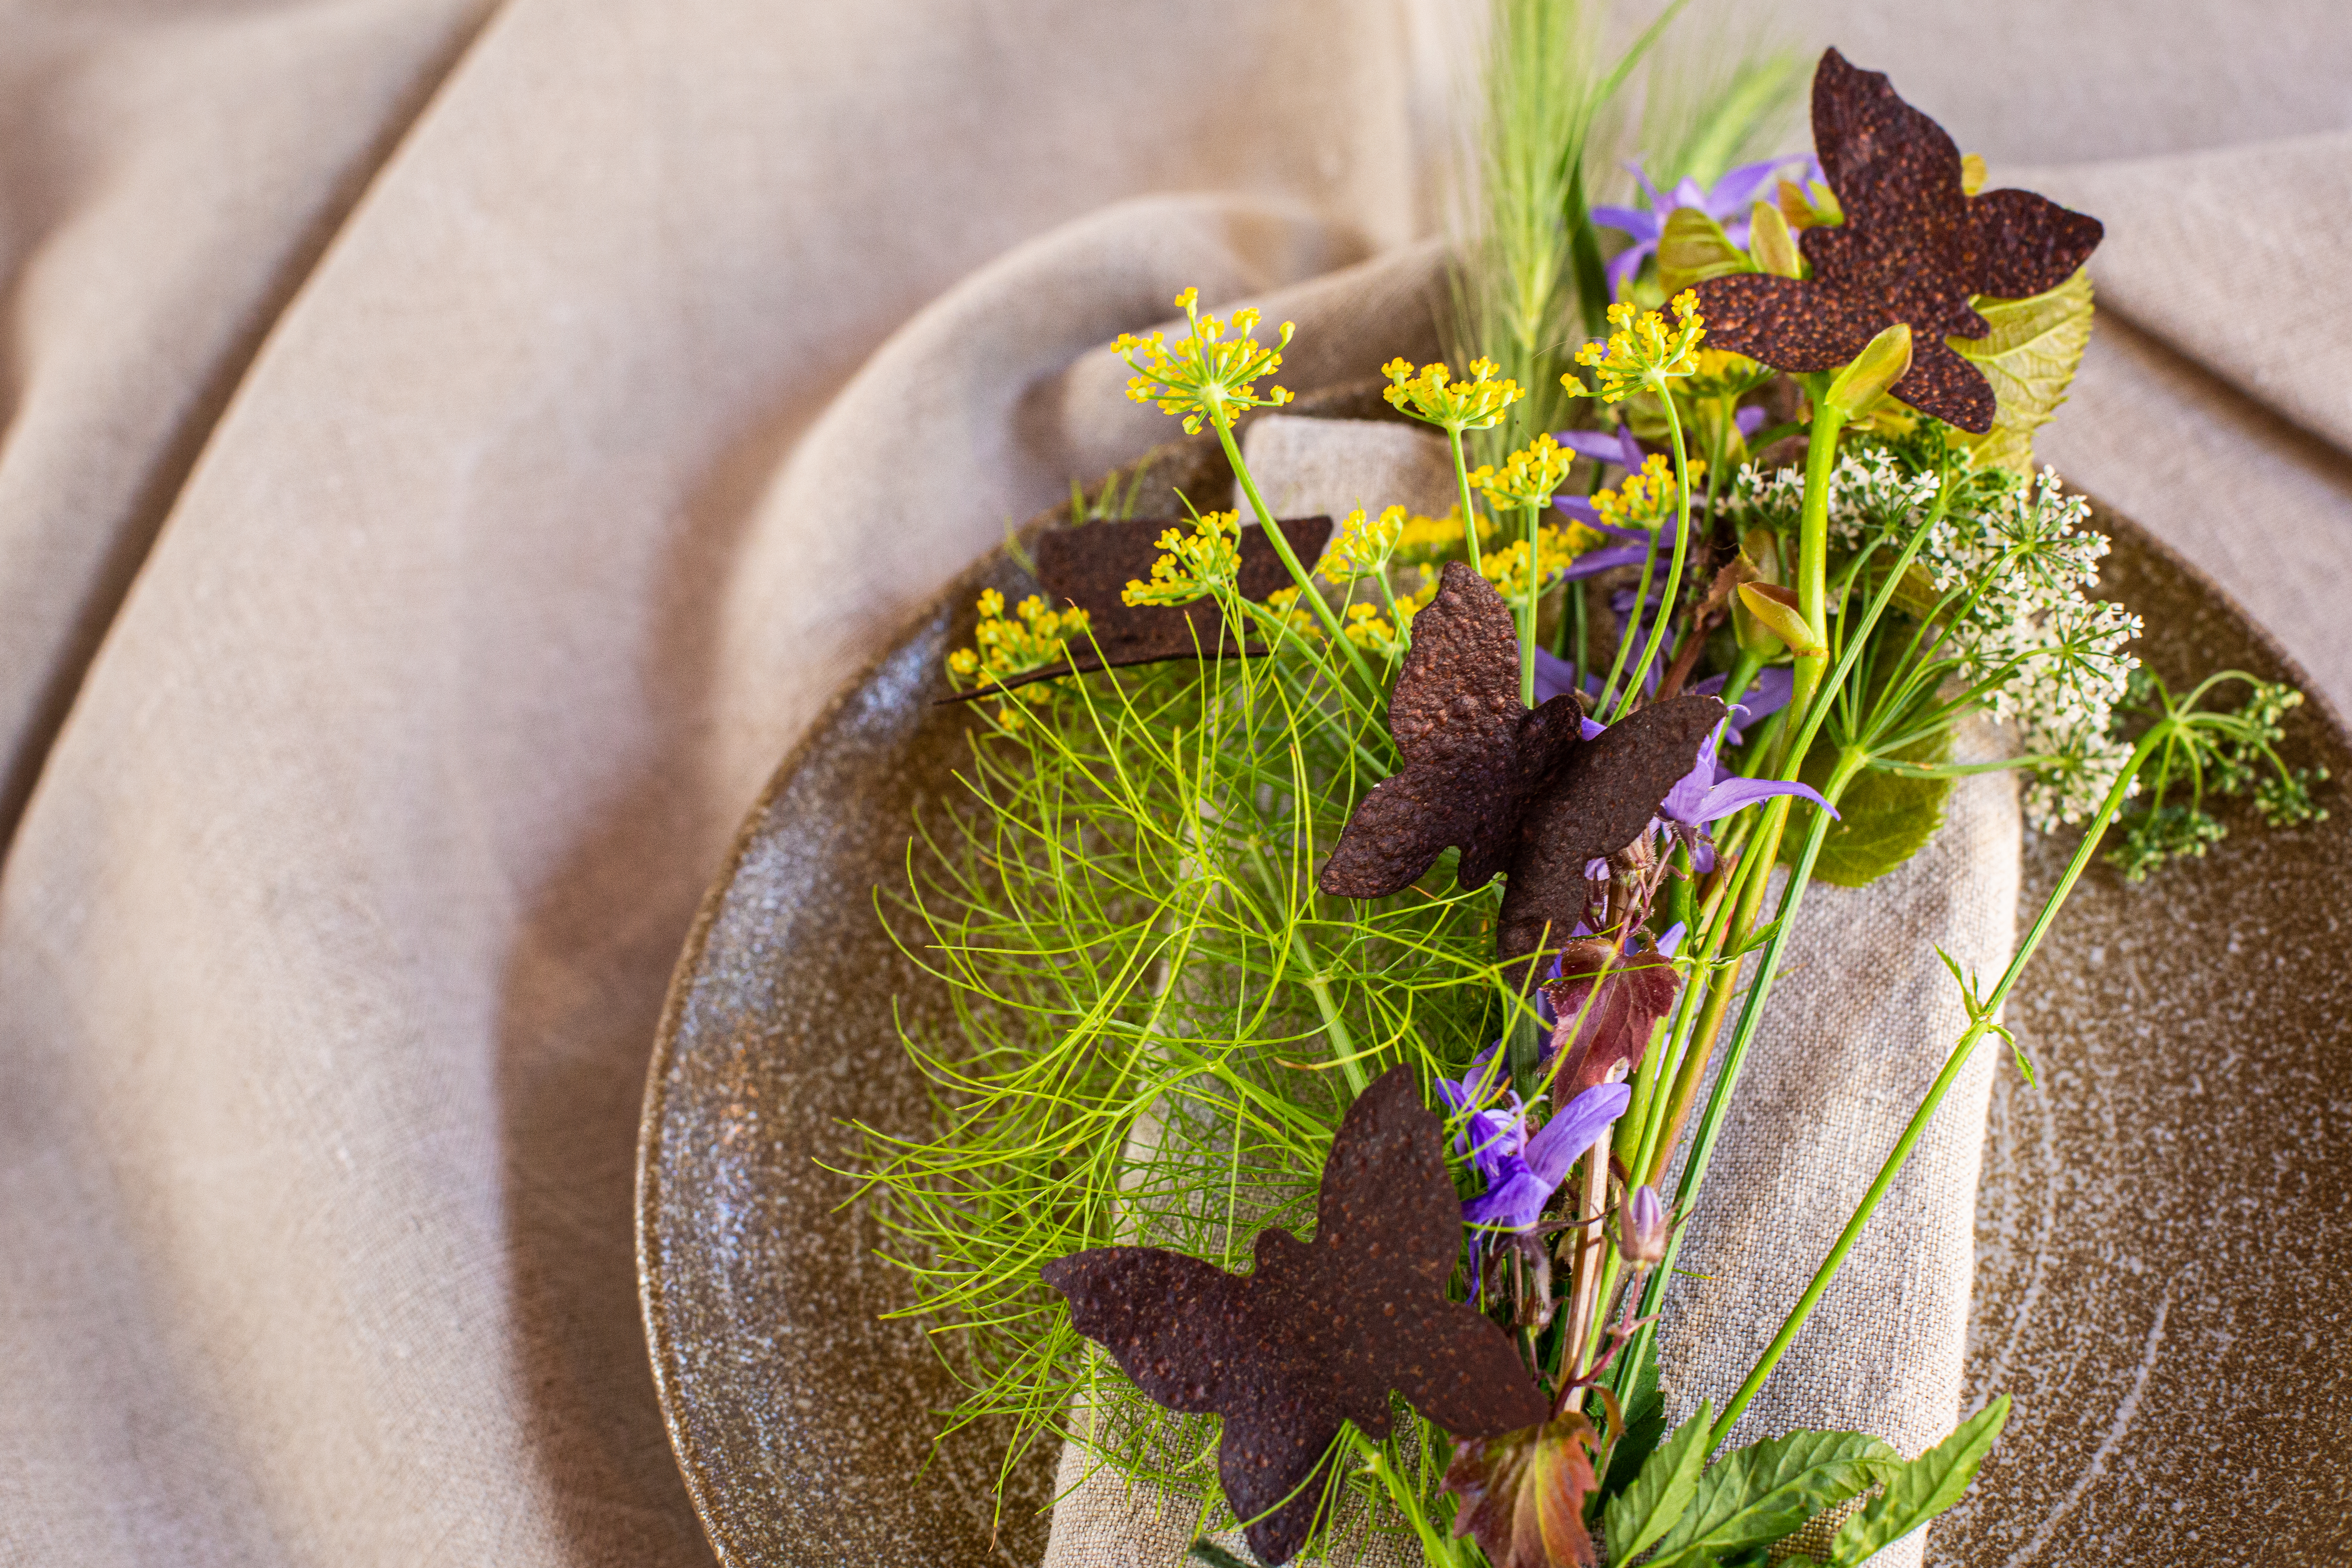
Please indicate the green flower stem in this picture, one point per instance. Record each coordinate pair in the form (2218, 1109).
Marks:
(1307, 593)
(1527, 617)
(1812, 565)
(1743, 1034)
(1462, 488)
(1755, 880)
(1310, 974)
(1625, 643)
(1673, 572)
(1979, 1026)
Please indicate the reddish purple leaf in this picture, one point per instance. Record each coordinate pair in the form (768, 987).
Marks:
(1522, 1497)
(1606, 1010)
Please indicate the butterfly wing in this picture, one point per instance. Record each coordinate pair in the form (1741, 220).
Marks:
(1906, 251)
(1456, 713)
(1603, 794)
(1276, 1465)
(1187, 1331)
(1456, 1367)
(1388, 1234)
(1197, 1339)
(2022, 244)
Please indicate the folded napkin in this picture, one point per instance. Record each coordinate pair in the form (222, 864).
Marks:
(1857, 1028)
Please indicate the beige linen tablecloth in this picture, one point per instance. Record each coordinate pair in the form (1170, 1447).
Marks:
(452, 450)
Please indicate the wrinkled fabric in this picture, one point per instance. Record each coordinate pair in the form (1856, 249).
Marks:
(453, 451)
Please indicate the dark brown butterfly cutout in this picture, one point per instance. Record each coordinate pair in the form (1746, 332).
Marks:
(1518, 791)
(1090, 566)
(1321, 1331)
(1915, 248)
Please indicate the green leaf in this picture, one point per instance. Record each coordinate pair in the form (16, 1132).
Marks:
(1645, 1511)
(1762, 1492)
(1883, 360)
(2029, 357)
(1921, 1489)
(1693, 248)
(1884, 819)
(1645, 1423)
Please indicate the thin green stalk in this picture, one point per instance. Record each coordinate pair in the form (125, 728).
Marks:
(1633, 626)
(1673, 572)
(1751, 1014)
(1979, 1026)
(1528, 618)
(1436, 1549)
(1812, 562)
(1462, 491)
(1308, 592)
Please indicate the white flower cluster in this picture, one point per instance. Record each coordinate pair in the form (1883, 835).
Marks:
(2049, 657)
(1869, 494)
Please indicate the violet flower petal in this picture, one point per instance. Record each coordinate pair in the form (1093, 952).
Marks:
(1750, 419)
(1574, 1130)
(1601, 446)
(1515, 1204)
(1734, 793)
(1632, 220)
(1593, 563)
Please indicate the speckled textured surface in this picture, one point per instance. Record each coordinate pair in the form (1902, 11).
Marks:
(2159, 1224)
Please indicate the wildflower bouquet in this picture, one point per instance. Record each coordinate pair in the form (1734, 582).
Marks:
(1221, 910)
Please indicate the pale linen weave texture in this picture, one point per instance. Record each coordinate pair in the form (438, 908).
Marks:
(453, 450)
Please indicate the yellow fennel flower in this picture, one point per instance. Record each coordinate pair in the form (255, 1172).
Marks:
(1644, 352)
(1528, 477)
(1032, 637)
(1436, 538)
(1364, 548)
(1195, 565)
(1209, 375)
(1433, 396)
(1647, 496)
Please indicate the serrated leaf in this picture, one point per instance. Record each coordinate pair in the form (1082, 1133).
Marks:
(1884, 819)
(1921, 1489)
(2029, 357)
(1762, 1492)
(1656, 1502)
(1693, 248)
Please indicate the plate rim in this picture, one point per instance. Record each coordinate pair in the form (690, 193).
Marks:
(661, 1353)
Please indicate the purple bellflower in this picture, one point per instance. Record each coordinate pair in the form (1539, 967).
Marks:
(1525, 1180)
(1765, 695)
(1727, 201)
(1709, 793)
(1495, 1123)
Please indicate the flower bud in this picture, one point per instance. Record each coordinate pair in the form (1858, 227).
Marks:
(1644, 1242)
(1884, 362)
(1770, 245)
(1775, 610)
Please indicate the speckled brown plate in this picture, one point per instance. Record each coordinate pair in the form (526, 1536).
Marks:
(2158, 1282)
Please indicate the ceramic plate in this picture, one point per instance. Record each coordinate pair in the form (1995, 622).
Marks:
(2158, 1282)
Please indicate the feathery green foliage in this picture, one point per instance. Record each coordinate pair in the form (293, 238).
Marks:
(1158, 1022)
